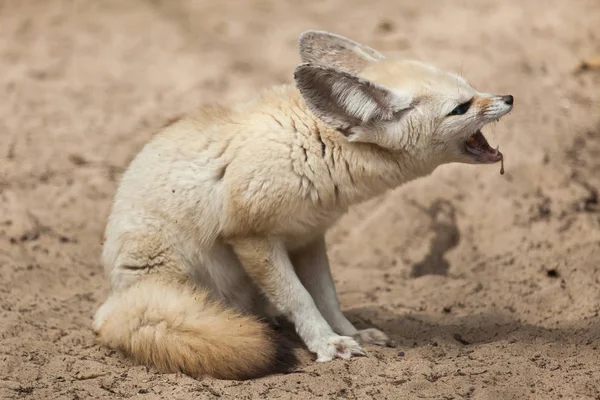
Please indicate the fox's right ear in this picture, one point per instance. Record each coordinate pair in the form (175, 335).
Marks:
(345, 101)
(320, 47)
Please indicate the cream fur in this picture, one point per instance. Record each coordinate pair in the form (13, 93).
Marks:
(230, 205)
(175, 328)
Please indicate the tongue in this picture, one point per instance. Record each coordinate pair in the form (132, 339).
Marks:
(478, 146)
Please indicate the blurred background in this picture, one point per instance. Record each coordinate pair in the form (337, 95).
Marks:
(489, 283)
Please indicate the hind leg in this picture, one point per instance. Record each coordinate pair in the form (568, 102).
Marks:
(220, 272)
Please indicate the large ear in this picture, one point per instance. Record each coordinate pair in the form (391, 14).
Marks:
(320, 47)
(346, 101)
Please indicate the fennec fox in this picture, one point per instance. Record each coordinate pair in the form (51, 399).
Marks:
(218, 223)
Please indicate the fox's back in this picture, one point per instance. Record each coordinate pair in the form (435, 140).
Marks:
(179, 183)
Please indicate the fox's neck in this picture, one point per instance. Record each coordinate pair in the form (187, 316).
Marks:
(354, 172)
(374, 171)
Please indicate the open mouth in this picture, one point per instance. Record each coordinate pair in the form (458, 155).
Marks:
(480, 148)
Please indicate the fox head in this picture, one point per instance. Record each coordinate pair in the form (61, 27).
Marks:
(399, 105)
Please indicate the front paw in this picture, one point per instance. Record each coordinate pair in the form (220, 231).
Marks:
(337, 346)
(373, 336)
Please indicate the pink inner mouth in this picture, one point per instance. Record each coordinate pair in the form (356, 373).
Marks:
(479, 147)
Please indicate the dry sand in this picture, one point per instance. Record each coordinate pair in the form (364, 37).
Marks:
(489, 283)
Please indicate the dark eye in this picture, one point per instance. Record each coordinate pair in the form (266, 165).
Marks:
(463, 108)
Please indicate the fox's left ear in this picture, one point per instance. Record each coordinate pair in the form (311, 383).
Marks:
(347, 102)
(320, 47)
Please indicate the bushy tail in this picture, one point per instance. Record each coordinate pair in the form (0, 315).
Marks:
(173, 327)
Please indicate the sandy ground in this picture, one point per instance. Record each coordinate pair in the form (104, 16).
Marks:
(489, 283)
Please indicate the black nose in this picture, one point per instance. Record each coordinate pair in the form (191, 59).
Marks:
(508, 99)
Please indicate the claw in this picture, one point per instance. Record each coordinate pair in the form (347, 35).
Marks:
(359, 352)
(344, 355)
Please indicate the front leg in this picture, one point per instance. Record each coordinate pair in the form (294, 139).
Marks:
(267, 262)
(312, 266)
